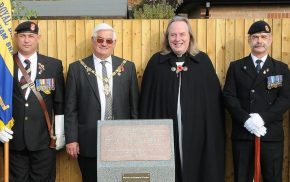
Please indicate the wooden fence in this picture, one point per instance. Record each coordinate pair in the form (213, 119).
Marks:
(224, 40)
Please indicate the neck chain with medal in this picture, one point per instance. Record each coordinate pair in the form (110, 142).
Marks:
(118, 71)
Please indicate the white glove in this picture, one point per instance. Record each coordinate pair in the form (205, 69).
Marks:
(258, 121)
(249, 125)
(255, 125)
(59, 131)
(5, 134)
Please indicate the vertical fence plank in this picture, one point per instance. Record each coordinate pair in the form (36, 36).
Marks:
(89, 29)
(71, 41)
(277, 39)
(248, 23)
(127, 39)
(118, 27)
(154, 36)
(61, 42)
(193, 25)
(201, 37)
(145, 42)
(137, 48)
(211, 40)
(239, 38)
(51, 39)
(80, 43)
(220, 49)
(43, 47)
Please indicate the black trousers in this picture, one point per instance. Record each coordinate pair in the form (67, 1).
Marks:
(271, 161)
(88, 167)
(32, 166)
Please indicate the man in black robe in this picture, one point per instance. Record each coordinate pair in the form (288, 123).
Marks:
(180, 83)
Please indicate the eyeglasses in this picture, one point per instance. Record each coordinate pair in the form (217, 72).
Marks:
(108, 41)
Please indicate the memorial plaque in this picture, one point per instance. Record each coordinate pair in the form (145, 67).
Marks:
(135, 151)
(136, 177)
(135, 142)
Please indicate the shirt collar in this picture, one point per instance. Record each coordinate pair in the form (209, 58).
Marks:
(32, 58)
(98, 60)
(263, 59)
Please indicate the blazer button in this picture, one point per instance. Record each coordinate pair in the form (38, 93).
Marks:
(253, 91)
(26, 104)
(26, 118)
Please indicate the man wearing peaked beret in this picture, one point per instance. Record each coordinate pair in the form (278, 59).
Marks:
(257, 94)
(31, 158)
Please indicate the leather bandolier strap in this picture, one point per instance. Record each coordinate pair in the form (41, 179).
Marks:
(31, 85)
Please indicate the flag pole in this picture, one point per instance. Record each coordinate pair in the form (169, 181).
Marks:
(6, 162)
(257, 173)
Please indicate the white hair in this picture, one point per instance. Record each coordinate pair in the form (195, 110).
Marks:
(103, 26)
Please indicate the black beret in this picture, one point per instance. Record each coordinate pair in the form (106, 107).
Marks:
(27, 26)
(259, 26)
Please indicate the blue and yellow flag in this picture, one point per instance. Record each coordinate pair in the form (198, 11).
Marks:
(6, 65)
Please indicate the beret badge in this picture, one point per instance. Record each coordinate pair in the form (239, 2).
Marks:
(267, 28)
(32, 27)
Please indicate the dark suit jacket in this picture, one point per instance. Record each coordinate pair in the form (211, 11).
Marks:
(83, 108)
(246, 92)
(30, 129)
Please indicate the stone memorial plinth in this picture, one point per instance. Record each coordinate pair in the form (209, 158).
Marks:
(135, 151)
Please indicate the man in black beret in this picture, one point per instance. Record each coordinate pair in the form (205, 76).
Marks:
(257, 94)
(31, 158)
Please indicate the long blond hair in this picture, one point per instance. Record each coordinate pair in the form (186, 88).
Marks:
(166, 49)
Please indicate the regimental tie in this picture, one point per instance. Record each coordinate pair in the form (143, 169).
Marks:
(258, 67)
(22, 79)
(107, 91)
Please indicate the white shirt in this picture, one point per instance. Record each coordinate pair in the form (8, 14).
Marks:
(33, 68)
(263, 59)
(98, 68)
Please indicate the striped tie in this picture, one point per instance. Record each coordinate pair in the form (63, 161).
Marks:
(107, 91)
(22, 79)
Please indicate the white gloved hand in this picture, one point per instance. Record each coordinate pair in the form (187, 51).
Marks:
(59, 131)
(258, 121)
(261, 131)
(5, 134)
(249, 125)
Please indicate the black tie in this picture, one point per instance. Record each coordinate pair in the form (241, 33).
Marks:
(258, 67)
(22, 79)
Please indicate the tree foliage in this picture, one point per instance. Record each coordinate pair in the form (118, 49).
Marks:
(21, 12)
(155, 10)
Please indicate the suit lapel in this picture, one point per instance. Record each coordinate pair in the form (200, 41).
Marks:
(16, 81)
(92, 78)
(116, 80)
(249, 68)
(266, 70)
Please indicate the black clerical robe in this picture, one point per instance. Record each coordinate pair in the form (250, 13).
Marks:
(202, 113)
